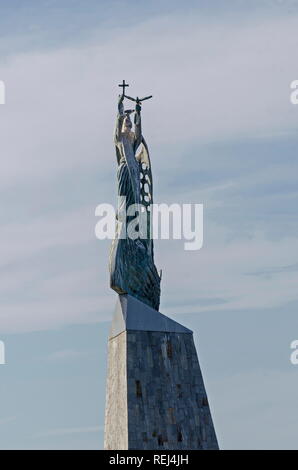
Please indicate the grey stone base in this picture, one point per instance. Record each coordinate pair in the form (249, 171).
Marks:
(156, 397)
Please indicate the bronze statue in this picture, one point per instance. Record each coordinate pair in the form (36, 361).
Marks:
(132, 268)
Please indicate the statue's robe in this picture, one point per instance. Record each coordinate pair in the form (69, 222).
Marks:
(132, 268)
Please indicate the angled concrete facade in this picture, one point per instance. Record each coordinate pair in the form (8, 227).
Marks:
(155, 396)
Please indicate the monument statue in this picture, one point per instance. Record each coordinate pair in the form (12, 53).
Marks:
(132, 268)
(155, 394)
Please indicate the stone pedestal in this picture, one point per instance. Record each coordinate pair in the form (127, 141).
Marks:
(155, 396)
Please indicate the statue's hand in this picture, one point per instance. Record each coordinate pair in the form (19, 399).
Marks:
(120, 104)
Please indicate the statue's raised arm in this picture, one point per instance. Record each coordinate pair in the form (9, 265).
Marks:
(119, 120)
(138, 127)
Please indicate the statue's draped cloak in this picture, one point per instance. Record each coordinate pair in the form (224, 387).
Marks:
(132, 268)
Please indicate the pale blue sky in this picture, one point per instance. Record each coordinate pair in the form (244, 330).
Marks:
(221, 132)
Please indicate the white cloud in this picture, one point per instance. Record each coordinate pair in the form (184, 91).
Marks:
(224, 274)
(210, 82)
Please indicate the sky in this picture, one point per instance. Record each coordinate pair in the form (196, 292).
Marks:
(222, 132)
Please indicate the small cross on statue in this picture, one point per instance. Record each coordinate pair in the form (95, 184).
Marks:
(123, 85)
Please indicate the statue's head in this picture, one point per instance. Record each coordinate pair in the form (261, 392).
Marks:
(126, 128)
(127, 124)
